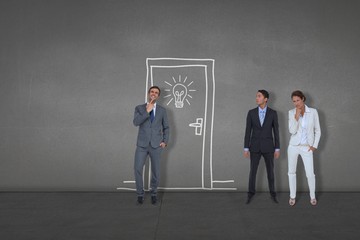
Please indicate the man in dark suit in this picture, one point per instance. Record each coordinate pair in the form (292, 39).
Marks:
(262, 139)
(152, 138)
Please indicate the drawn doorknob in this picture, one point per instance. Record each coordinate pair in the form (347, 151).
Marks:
(197, 125)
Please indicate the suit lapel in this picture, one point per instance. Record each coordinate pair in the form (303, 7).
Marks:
(157, 113)
(266, 116)
(257, 116)
(308, 117)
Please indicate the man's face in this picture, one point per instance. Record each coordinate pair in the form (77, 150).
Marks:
(153, 94)
(260, 99)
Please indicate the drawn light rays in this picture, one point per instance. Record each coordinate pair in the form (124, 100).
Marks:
(179, 91)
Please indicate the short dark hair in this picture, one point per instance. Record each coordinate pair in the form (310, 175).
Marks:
(156, 88)
(264, 93)
(298, 93)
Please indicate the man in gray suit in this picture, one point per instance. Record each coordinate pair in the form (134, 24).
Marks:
(152, 138)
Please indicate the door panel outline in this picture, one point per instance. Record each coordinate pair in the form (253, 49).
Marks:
(208, 64)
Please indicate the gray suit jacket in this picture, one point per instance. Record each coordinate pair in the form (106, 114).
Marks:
(152, 133)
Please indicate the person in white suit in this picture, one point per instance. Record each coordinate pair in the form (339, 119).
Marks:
(304, 127)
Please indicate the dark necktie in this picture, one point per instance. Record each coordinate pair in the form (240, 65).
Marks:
(152, 115)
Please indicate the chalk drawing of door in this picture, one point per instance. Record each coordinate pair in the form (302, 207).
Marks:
(188, 94)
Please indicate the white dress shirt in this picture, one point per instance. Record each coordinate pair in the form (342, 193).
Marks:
(154, 109)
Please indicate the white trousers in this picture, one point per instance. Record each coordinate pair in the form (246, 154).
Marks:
(307, 158)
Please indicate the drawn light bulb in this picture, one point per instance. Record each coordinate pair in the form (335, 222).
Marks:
(180, 93)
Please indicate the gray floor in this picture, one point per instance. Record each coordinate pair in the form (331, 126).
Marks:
(207, 215)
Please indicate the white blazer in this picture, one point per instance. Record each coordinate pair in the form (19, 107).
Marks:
(313, 127)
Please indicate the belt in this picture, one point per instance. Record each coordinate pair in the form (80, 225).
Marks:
(304, 145)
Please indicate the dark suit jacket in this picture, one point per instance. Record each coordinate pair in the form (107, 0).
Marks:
(151, 132)
(260, 138)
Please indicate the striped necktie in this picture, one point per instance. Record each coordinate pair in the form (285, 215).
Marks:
(262, 117)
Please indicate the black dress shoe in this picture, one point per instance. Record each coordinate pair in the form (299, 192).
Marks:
(153, 200)
(249, 199)
(274, 199)
(140, 200)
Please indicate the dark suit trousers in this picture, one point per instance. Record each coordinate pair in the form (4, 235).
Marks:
(269, 162)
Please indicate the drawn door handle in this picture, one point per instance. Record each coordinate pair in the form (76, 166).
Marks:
(198, 125)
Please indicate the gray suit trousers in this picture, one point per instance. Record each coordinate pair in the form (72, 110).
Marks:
(141, 154)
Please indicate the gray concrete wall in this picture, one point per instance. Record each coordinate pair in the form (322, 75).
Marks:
(71, 73)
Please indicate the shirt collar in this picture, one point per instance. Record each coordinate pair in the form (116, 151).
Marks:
(264, 110)
(307, 109)
(154, 104)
